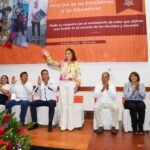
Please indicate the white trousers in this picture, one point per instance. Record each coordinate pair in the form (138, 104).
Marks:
(114, 109)
(67, 104)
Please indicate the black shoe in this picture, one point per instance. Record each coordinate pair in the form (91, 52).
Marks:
(33, 126)
(141, 132)
(100, 130)
(114, 131)
(50, 129)
(135, 132)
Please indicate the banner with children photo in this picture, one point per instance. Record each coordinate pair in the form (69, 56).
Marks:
(19, 35)
(37, 22)
(5, 22)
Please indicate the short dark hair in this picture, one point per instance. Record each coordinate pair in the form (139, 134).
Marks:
(44, 71)
(22, 73)
(73, 54)
(6, 78)
(106, 73)
(135, 74)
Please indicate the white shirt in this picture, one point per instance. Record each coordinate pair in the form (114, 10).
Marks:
(5, 87)
(33, 15)
(22, 92)
(47, 92)
(107, 96)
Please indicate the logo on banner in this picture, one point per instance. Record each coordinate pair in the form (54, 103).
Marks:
(128, 3)
(122, 5)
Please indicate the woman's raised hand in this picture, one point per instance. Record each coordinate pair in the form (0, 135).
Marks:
(45, 53)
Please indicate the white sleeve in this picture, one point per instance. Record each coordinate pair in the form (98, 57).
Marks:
(97, 92)
(12, 88)
(28, 87)
(7, 87)
(112, 92)
(52, 86)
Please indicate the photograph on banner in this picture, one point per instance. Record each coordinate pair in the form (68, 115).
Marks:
(37, 21)
(6, 9)
(19, 33)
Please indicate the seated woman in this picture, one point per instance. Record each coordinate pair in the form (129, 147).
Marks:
(134, 93)
(4, 89)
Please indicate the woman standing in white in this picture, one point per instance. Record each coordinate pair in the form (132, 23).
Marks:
(69, 84)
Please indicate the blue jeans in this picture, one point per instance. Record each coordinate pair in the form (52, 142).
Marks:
(24, 106)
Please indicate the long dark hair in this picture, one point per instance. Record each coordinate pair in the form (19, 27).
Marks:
(6, 78)
(135, 74)
(73, 54)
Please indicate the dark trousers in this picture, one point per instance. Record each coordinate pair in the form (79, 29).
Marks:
(38, 28)
(20, 27)
(37, 103)
(137, 112)
(24, 106)
(3, 99)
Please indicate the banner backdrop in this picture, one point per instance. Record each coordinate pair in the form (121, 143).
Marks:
(98, 31)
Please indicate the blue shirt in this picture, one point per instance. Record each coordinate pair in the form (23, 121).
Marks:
(138, 95)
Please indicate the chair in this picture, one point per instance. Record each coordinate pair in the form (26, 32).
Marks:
(106, 117)
(42, 115)
(78, 112)
(2, 108)
(126, 122)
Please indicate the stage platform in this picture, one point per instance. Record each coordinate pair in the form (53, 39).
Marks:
(87, 139)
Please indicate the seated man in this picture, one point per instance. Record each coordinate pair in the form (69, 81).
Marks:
(105, 94)
(46, 90)
(23, 92)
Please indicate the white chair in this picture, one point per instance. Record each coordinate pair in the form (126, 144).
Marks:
(78, 115)
(42, 115)
(78, 112)
(127, 121)
(16, 109)
(106, 116)
(43, 111)
(2, 108)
